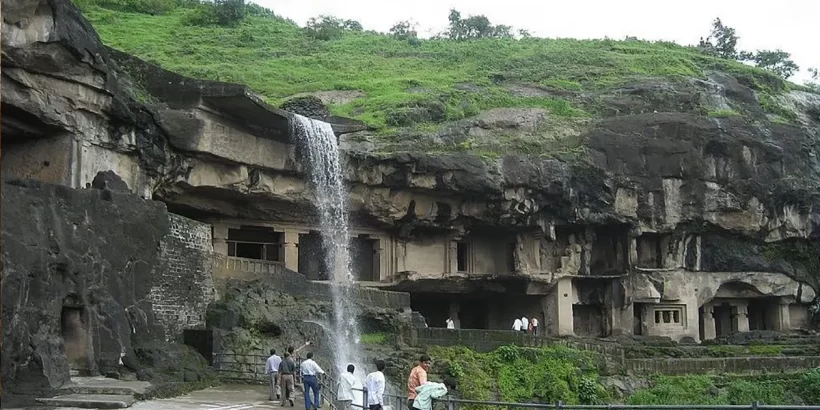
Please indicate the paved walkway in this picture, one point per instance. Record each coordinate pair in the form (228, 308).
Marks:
(225, 397)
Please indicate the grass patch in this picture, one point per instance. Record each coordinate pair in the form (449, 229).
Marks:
(717, 391)
(374, 338)
(277, 59)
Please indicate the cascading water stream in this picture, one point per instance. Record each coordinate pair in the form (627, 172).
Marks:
(319, 148)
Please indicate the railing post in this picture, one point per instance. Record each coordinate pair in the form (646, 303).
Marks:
(364, 398)
(559, 405)
(755, 405)
(450, 404)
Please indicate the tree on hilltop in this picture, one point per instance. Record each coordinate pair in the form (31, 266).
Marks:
(777, 61)
(721, 42)
(474, 27)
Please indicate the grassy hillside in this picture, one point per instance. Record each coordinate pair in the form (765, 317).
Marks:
(277, 59)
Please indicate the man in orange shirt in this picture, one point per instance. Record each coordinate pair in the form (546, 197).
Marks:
(418, 376)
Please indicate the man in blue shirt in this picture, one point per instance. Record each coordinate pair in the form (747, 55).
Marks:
(272, 369)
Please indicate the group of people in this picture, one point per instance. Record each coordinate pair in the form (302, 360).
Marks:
(281, 370)
(525, 325)
(282, 373)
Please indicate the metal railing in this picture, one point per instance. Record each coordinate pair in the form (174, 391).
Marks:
(452, 403)
(329, 383)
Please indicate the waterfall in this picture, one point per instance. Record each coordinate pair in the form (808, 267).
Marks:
(319, 149)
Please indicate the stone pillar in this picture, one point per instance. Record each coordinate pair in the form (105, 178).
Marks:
(452, 257)
(785, 320)
(379, 262)
(709, 330)
(740, 317)
(563, 297)
(291, 249)
(633, 252)
(220, 238)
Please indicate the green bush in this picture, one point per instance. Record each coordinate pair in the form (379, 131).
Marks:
(808, 388)
(743, 393)
(681, 390)
(518, 374)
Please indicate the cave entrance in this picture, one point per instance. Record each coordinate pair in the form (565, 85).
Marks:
(723, 319)
(588, 320)
(763, 314)
(312, 261)
(365, 258)
(74, 331)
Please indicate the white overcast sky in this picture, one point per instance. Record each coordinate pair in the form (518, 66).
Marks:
(792, 25)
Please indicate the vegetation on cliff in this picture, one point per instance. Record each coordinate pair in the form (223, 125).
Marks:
(400, 79)
(520, 374)
(554, 373)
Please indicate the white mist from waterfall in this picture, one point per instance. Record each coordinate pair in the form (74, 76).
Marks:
(320, 152)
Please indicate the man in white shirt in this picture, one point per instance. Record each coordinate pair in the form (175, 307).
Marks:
(517, 325)
(272, 369)
(450, 323)
(524, 324)
(310, 370)
(347, 382)
(374, 382)
(534, 326)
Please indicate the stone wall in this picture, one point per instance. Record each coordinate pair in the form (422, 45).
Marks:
(296, 285)
(720, 365)
(183, 279)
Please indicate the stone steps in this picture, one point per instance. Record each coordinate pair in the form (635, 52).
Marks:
(90, 401)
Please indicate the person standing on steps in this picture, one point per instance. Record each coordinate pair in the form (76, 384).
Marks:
(450, 323)
(375, 387)
(310, 370)
(287, 370)
(524, 324)
(347, 382)
(418, 376)
(272, 369)
(534, 324)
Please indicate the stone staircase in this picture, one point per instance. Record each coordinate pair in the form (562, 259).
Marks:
(96, 393)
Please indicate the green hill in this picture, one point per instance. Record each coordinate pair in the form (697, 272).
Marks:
(278, 59)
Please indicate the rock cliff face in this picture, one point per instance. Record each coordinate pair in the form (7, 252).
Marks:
(707, 156)
(78, 271)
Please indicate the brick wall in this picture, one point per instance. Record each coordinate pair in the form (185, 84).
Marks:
(183, 280)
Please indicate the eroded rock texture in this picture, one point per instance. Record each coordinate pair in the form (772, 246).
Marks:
(78, 268)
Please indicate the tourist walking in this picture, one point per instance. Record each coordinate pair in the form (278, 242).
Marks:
(287, 370)
(534, 324)
(347, 382)
(272, 369)
(375, 387)
(418, 376)
(310, 382)
(450, 323)
(524, 324)
(517, 325)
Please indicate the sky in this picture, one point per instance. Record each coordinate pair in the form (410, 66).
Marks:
(791, 25)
